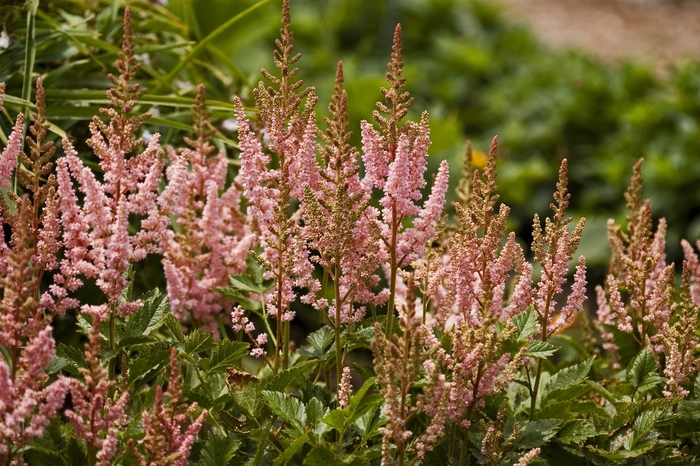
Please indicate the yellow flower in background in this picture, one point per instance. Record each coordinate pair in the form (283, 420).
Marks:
(479, 159)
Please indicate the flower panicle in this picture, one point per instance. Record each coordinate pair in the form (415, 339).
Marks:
(97, 417)
(214, 235)
(553, 247)
(27, 403)
(168, 439)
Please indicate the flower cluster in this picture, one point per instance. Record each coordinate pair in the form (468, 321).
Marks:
(212, 238)
(97, 233)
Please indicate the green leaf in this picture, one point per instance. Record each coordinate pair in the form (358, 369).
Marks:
(225, 354)
(644, 424)
(248, 399)
(291, 450)
(198, 341)
(205, 41)
(526, 323)
(149, 362)
(537, 433)
(315, 412)
(576, 431)
(319, 341)
(567, 377)
(281, 381)
(74, 357)
(641, 372)
(566, 394)
(287, 408)
(150, 317)
(360, 403)
(218, 450)
(175, 327)
(540, 349)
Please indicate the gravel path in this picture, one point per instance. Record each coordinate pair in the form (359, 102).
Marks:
(654, 31)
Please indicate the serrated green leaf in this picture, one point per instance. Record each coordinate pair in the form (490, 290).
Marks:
(225, 354)
(148, 363)
(150, 317)
(319, 343)
(540, 349)
(537, 433)
(526, 323)
(360, 403)
(643, 424)
(218, 450)
(568, 376)
(283, 380)
(566, 394)
(291, 450)
(74, 356)
(288, 408)
(641, 372)
(248, 400)
(198, 341)
(175, 327)
(576, 431)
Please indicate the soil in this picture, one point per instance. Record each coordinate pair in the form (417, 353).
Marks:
(658, 32)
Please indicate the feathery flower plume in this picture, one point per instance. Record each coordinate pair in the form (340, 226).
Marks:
(287, 114)
(212, 239)
(638, 267)
(477, 268)
(345, 389)
(679, 340)
(398, 365)
(694, 268)
(96, 417)
(27, 404)
(129, 187)
(165, 442)
(553, 248)
(395, 162)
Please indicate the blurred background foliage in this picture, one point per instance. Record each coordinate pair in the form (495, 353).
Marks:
(476, 74)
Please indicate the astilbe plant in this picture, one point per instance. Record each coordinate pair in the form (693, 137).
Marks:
(638, 298)
(552, 249)
(27, 402)
(395, 161)
(271, 186)
(477, 314)
(211, 237)
(341, 227)
(96, 234)
(167, 441)
(98, 409)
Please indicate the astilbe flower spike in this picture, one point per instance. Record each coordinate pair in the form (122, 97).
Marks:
(341, 227)
(27, 404)
(287, 114)
(96, 416)
(476, 313)
(398, 364)
(553, 247)
(105, 249)
(212, 238)
(395, 162)
(167, 442)
(639, 267)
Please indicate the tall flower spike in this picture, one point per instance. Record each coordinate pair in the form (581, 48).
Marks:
(553, 248)
(27, 404)
(395, 162)
(167, 441)
(129, 188)
(290, 125)
(95, 416)
(212, 238)
(638, 267)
